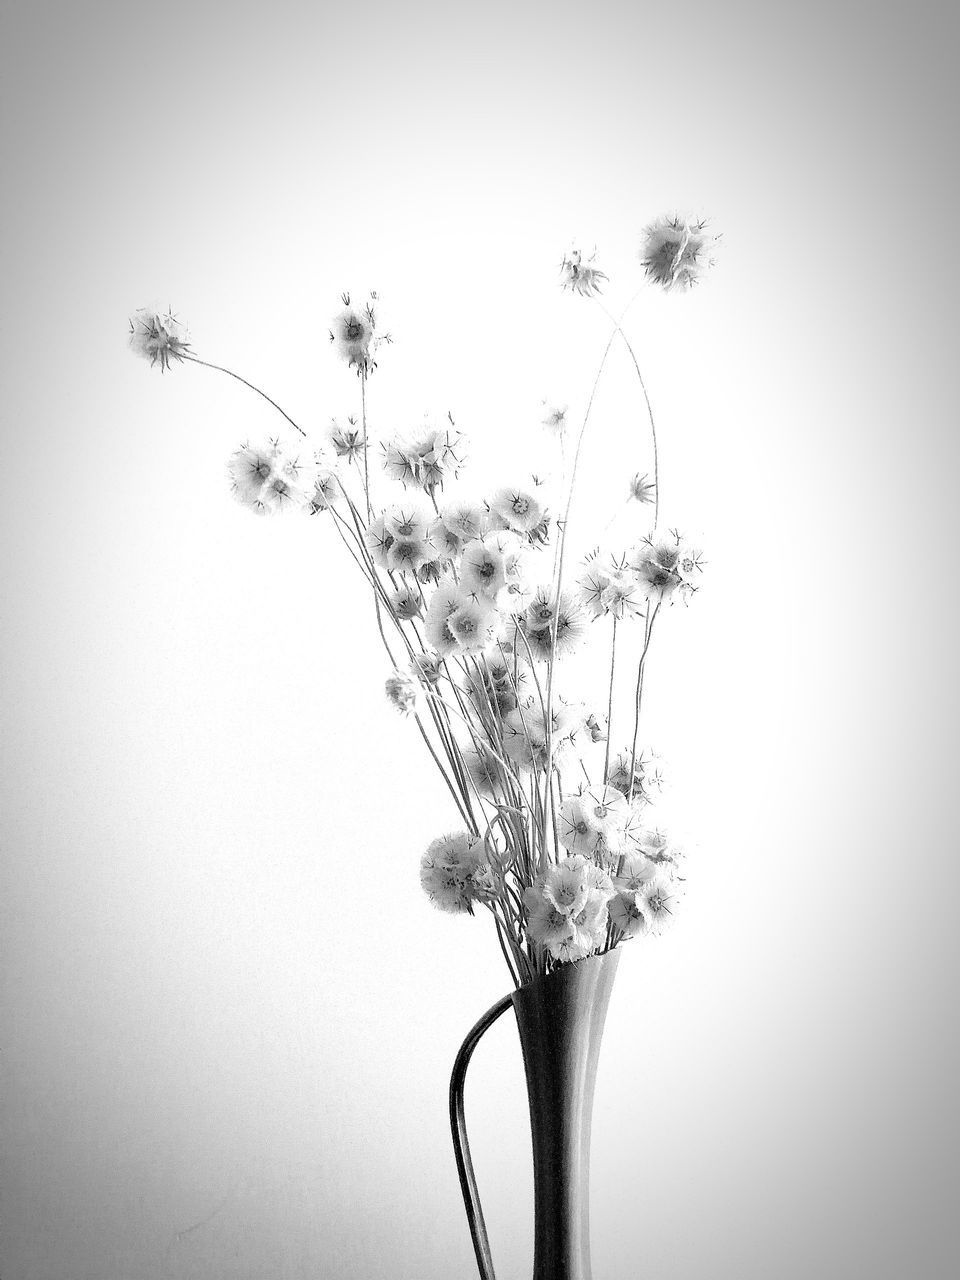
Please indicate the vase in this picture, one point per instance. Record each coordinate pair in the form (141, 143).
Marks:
(560, 1019)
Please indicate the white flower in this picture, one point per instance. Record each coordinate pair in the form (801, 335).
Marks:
(451, 872)
(427, 461)
(347, 440)
(629, 916)
(474, 626)
(611, 590)
(567, 908)
(576, 834)
(483, 568)
(444, 603)
(525, 733)
(579, 276)
(676, 252)
(606, 812)
(659, 897)
(404, 692)
(158, 336)
(569, 626)
(664, 564)
(465, 520)
(407, 602)
(265, 479)
(555, 417)
(325, 493)
(354, 334)
(518, 509)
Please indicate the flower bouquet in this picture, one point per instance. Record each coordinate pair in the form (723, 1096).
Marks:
(478, 609)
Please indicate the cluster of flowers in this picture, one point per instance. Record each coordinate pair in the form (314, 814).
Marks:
(483, 620)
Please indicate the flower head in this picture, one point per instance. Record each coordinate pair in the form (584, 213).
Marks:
(404, 692)
(347, 440)
(518, 509)
(581, 276)
(554, 625)
(659, 897)
(642, 489)
(354, 334)
(664, 565)
(266, 479)
(427, 460)
(676, 252)
(567, 908)
(451, 872)
(611, 590)
(324, 492)
(554, 417)
(159, 337)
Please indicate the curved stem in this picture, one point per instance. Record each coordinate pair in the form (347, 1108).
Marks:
(653, 425)
(229, 372)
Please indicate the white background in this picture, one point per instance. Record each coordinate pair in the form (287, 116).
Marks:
(229, 1013)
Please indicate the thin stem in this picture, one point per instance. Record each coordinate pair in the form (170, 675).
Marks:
(653, 425)
(229, 372)
(613, 661)
(648, 632)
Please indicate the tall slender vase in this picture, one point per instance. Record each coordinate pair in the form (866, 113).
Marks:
(560, 1019)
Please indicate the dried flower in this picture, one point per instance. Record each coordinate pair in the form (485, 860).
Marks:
(407, 602)
(642, 489)
(427, 461)
(579, 276)
(465, 520)
(518, 509)
(265, 479)
(554, 636)
(159, 337)
(611, 590)
(659, 899)
(555, 417)
(567, 908)
(659, 562)
(676, 252)
(404, 692)
(347, 440)
(629, 916)
(451, 872)
(326, 492)
(354, 334)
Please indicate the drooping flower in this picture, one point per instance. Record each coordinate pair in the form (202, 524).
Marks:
(451, 872)
(428, 666)
(354, 334)
(158, 336)
(404, 692)
(676, 252)
(581, 276)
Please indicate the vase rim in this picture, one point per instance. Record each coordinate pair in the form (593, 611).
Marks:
(566, 966)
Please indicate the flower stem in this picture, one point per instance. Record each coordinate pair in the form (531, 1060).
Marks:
(229, 372)
(613, 659)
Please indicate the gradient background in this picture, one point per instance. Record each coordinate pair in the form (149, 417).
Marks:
(228, 1012)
